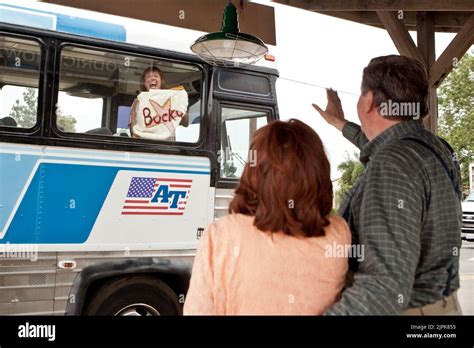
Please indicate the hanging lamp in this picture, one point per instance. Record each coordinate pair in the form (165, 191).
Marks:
(229, 47)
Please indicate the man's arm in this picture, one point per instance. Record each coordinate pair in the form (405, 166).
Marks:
(389, 226)
(334, 115)
(185, 120)
(354, 134)
(132, 118)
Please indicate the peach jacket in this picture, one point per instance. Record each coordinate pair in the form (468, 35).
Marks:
(240, 270)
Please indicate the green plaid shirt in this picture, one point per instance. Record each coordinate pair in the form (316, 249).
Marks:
(404, 212)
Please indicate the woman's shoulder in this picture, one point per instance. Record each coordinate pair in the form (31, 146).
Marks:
(233, 222)
(338, 228)
(227, 224)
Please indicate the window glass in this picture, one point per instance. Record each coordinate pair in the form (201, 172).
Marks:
(19, 80)
(237, 129)
(114, 94)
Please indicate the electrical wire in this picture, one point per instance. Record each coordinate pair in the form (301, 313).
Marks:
(315, 85)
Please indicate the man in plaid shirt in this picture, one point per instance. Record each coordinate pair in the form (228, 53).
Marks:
(405, 207)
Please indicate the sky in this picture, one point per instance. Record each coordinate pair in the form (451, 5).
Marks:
(313, 51)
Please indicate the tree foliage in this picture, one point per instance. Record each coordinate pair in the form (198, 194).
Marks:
(24, 112)
(67, 123)
(456, 113)
(351, 169)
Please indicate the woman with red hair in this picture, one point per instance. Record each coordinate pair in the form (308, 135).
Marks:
(275, 252)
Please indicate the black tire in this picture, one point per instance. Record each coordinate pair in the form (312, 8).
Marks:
(146, 294)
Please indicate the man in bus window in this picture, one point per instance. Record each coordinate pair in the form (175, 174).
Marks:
(157, 111)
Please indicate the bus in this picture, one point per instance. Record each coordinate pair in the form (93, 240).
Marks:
(92, 220)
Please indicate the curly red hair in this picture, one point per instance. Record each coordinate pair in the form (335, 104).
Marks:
(289, 189)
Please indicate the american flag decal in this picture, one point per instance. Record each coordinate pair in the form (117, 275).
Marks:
(156, 196)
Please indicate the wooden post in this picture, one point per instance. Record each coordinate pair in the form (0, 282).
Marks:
(399, 34)
(455, 50)
(426, 47)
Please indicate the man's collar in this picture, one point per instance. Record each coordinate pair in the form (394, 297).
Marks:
(394, 132)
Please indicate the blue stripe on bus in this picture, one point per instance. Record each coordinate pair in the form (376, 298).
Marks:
(129, 163)
(121, 161)
(133, 155)
(91, 28)
(27, 18)
(69, 24)
(88, 153)
(45, 215)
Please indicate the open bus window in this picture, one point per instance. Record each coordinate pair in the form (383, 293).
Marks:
(19, 79)
(237, 129)
(114, 94)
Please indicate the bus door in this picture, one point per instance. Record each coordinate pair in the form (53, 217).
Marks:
(244, 102)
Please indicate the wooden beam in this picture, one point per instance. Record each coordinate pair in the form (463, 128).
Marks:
(450, 22)
(455, 50)
(426, 47)
(201, 15)
(380, 5)
(399, 34)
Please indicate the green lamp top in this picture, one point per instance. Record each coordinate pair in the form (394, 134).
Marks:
(230, 22)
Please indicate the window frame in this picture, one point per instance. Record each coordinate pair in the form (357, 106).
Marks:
(142, 145)
(43, 51)
(224, 182)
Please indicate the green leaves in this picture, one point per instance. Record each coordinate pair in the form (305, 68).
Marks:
(456, 113)
(67, 123)
(351, 168)
(24, 112)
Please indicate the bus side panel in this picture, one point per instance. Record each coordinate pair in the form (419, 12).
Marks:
(89, 200)
(27, 282)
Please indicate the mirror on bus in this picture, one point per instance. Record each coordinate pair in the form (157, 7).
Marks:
(237, 129)
(19, 79)
(108, 93)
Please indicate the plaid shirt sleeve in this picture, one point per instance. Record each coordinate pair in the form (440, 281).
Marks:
(354, 134)
(389, 217)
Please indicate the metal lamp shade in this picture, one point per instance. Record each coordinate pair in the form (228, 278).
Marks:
(229, 47)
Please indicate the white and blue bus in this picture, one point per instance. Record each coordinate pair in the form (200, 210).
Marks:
(80, 228)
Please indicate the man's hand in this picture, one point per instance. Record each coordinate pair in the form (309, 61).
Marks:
(334, 115)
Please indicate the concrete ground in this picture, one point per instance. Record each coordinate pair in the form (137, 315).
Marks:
(466, 292)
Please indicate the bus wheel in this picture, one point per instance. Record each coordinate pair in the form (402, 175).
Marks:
(134, 296)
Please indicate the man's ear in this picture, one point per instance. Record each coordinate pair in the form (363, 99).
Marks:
(369, 102)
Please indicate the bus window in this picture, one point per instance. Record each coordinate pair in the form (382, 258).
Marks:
(19, 80)
(116, 94)
(237, 129)
(74, 119)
